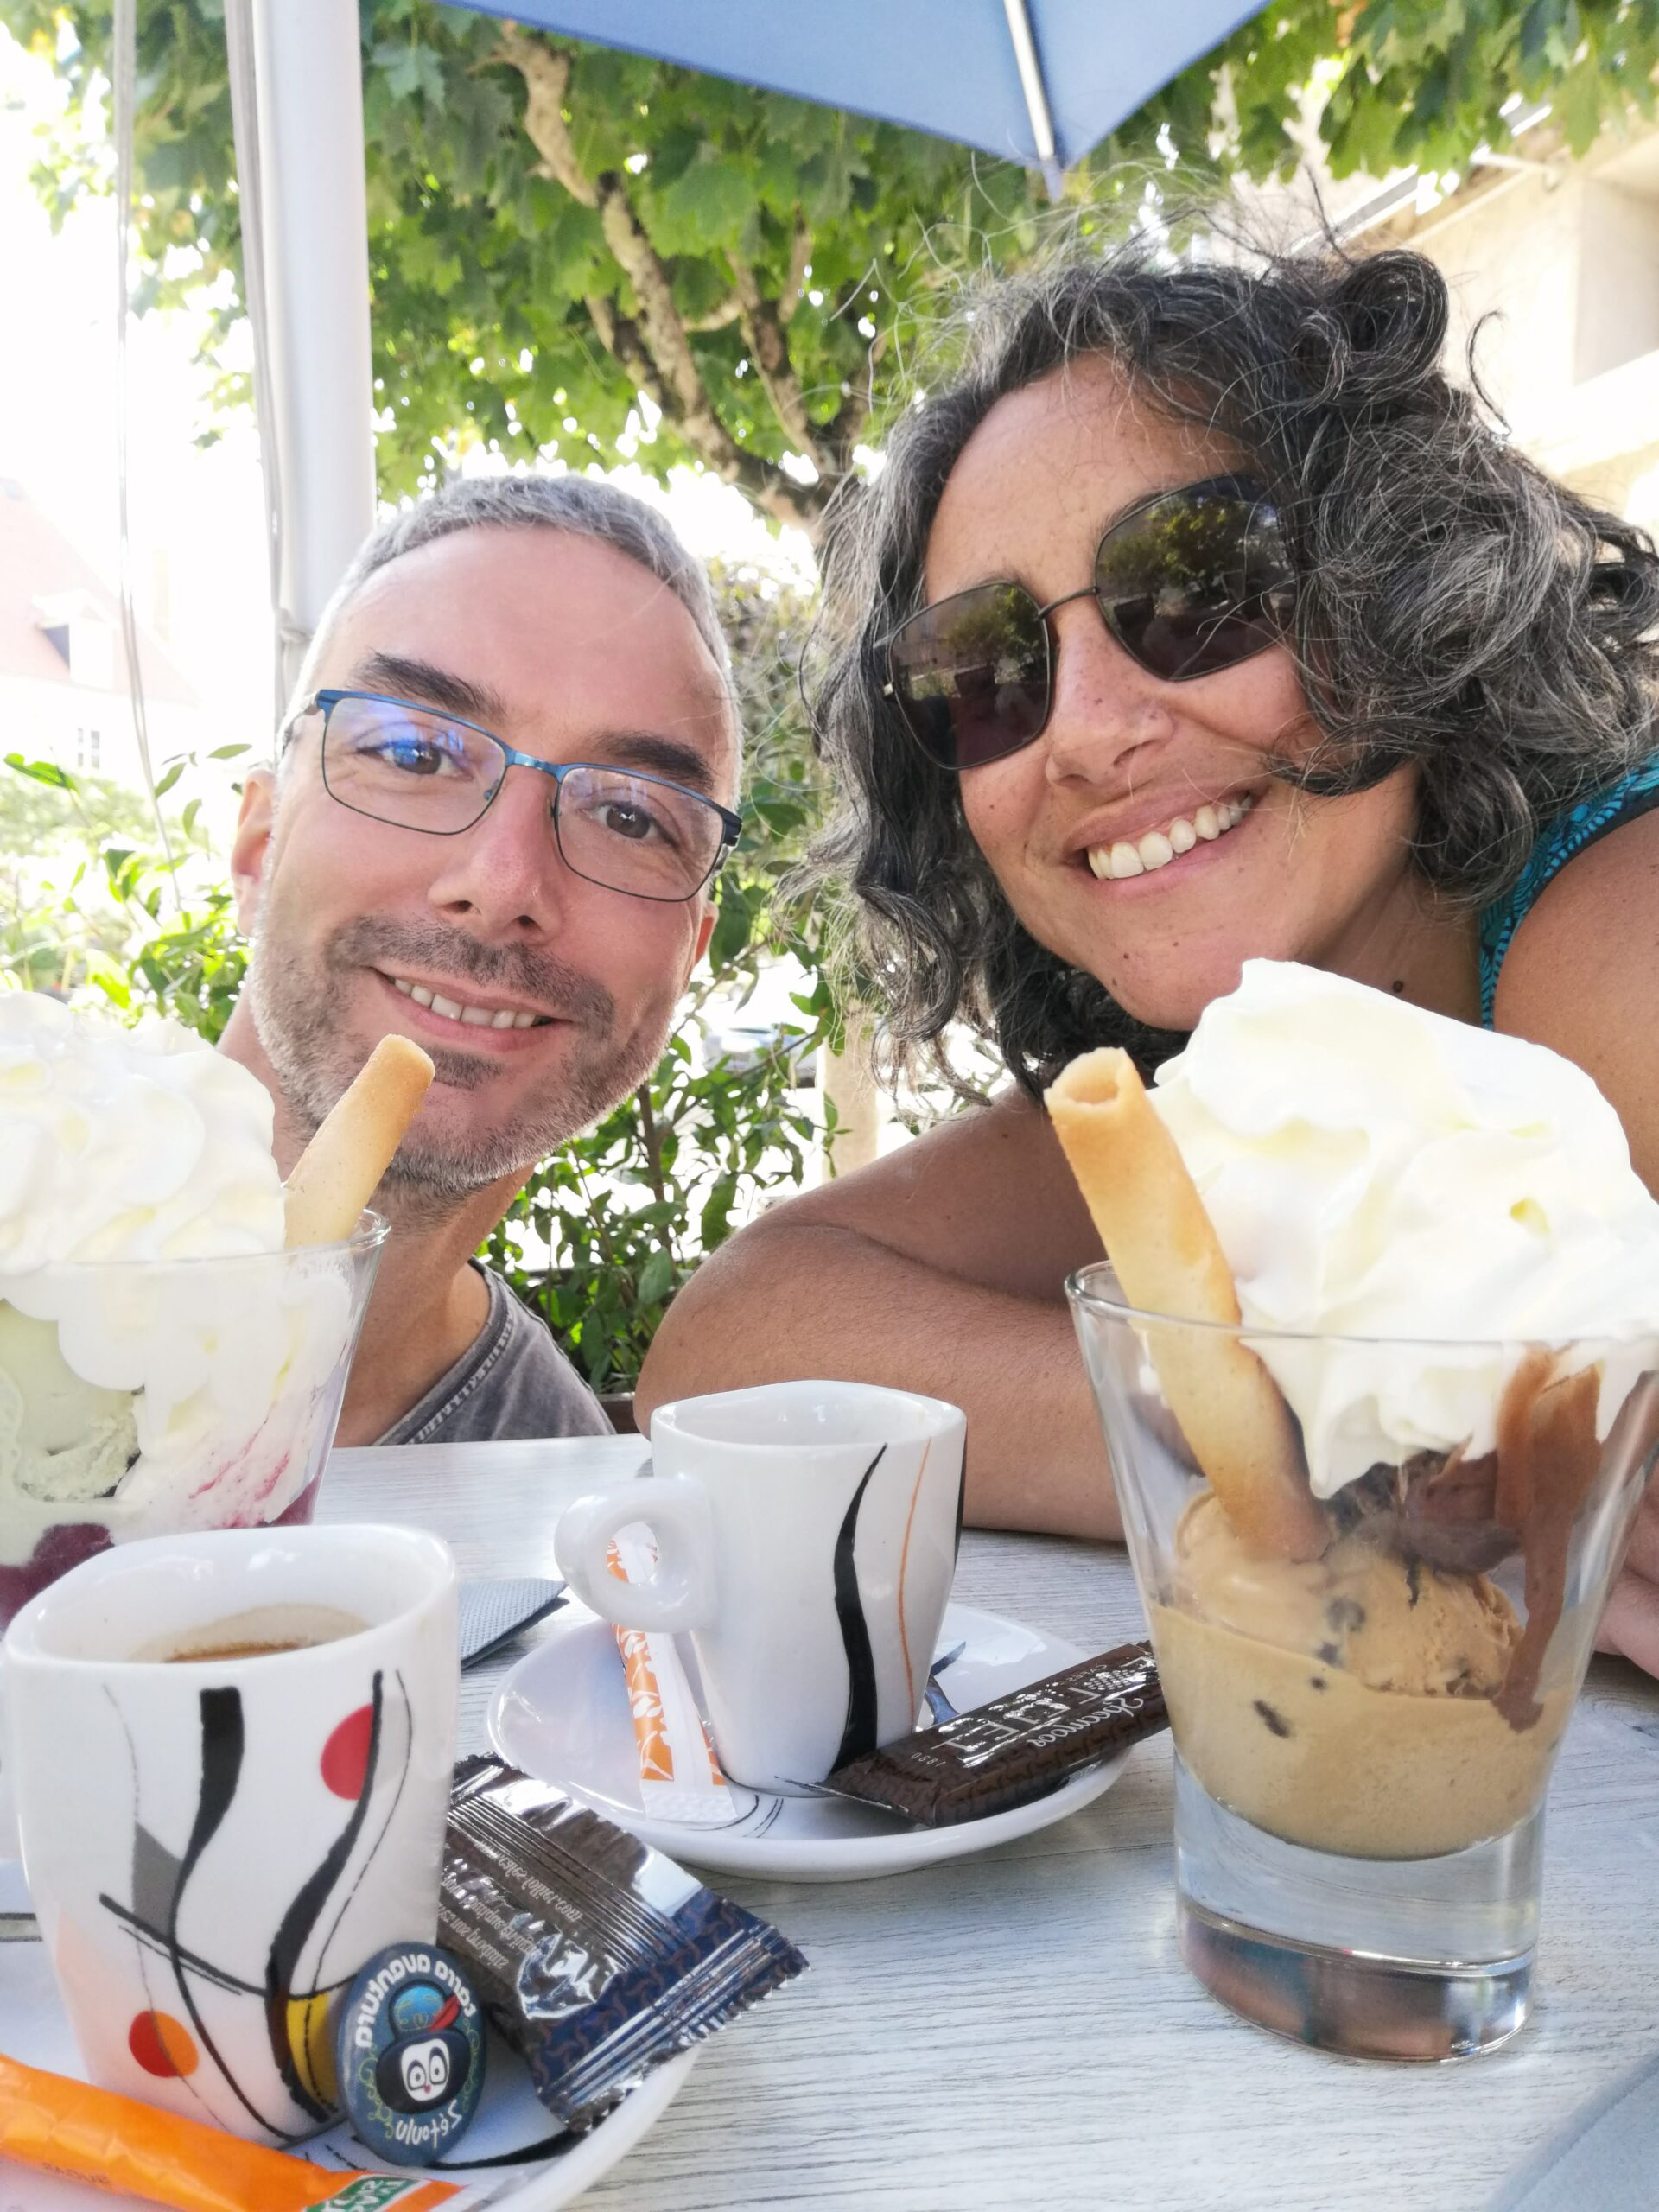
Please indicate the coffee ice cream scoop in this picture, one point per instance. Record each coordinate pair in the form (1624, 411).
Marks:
(1392, 1623)
(1348, 1703)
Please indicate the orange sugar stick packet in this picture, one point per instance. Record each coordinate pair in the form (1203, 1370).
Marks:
(134, 2149)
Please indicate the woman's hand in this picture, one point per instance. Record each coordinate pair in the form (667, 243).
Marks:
(1631, 1623)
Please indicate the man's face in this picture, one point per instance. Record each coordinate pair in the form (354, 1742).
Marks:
(565, 649)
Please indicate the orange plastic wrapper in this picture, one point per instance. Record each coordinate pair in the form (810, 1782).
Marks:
(133, 2150)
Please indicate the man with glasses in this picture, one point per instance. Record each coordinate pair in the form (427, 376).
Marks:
(498, 805)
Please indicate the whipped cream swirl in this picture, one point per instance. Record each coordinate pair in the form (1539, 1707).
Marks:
(1376, 1172)
(127, 1144)
(161, 1355)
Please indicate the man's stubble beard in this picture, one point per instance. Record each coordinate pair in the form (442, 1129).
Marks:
(291, 989)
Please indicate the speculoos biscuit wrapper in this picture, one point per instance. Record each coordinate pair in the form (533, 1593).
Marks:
(597, 1958)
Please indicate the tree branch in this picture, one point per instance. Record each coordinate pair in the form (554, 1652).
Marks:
(546, 73)
(800, 260)
(846, 426)
(718, 318)
(619, 335)
(664, 332)
(763, 334)
(653, 350)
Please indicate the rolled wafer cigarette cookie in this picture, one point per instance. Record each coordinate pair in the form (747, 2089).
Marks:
(340, 1170)
(1164, 1247)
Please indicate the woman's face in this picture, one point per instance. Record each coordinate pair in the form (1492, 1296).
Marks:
(1125, 758)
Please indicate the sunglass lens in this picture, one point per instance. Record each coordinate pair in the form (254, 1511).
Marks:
(1197, 582)
(971, 675)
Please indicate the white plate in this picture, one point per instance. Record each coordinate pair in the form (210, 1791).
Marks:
(33, 2028)
(562, 1715)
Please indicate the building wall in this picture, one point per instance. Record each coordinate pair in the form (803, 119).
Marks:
(53, 722)
(1563, 260)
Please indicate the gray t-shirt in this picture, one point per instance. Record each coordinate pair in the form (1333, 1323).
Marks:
(511, 1381)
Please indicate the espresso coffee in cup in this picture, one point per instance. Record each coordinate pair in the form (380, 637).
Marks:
(259, 1633)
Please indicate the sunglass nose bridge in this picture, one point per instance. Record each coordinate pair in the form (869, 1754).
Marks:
(1083, 591)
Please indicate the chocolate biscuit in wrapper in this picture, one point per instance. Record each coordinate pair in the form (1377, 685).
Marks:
(1018, 1748)
(596, 1957)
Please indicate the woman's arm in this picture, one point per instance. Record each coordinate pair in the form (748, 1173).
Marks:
(940, 1269)
(1582, 977)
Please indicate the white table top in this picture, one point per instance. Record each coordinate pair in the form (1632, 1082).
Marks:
(1017, 2029)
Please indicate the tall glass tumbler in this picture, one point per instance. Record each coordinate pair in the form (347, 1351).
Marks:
(1363, 1741)
(149, 1397)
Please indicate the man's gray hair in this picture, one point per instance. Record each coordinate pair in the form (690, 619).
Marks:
(582, 506)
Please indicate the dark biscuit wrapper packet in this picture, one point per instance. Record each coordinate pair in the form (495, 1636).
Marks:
(596, 1957)
(1019, 1747)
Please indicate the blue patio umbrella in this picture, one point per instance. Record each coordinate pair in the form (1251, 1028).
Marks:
(1037, 81)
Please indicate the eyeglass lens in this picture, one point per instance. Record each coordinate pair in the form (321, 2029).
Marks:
(401, 764)
(1188, 585)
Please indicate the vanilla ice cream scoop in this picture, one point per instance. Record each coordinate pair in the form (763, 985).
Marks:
(1374, 1170)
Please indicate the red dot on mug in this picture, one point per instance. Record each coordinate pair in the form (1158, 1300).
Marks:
(161, 2045)
(345, 1754)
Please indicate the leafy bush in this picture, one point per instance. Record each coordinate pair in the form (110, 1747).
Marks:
(604, 1232)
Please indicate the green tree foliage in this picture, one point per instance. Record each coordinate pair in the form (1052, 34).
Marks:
(85, 880)
(557, 229)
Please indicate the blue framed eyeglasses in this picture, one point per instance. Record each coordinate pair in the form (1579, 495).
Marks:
(417, 769)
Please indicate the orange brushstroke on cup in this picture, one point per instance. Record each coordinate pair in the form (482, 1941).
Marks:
(903, 1562)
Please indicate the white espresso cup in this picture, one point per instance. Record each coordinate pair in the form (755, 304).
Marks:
(806, 1537)
(214, 1846)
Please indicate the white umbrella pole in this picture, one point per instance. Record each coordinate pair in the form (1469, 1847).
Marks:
(297, 92)
(1036, 93)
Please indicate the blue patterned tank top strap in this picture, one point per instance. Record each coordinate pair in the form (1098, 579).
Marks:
(1568, 835)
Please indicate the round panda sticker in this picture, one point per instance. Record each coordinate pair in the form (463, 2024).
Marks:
(410, 2047)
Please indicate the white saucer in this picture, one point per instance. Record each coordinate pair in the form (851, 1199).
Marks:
(33, 2028)
(562, 1715)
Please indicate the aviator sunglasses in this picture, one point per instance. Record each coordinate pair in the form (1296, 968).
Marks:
(1187, 582)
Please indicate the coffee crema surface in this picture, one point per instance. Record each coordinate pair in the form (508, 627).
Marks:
(260, 1633)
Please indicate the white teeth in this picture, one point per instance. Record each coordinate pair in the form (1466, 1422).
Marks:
(1159, 847)
(476, 1017)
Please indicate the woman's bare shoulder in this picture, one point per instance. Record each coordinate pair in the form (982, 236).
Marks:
(1582, 975)
(985, 1195)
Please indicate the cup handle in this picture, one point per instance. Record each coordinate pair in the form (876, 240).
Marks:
(679, 1592)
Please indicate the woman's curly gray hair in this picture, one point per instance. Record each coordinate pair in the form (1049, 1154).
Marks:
(1457, 609)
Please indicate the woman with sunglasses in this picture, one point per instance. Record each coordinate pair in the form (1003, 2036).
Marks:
(1197, 616)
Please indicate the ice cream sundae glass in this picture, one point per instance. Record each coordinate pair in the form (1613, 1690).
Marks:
(172, 1354)
(1375, 1356)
